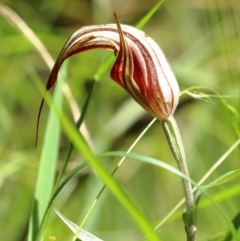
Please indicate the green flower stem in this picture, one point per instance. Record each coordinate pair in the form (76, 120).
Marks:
(175, 142)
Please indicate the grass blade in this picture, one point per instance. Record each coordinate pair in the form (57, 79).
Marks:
(47, 166)
(83, 234)
(225, 178)
(96, 165)
(148, 16)
(78, 125)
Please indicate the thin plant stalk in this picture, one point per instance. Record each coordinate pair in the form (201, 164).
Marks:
(172, 133)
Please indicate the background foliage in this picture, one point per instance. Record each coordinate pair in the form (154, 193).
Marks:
(201, 42)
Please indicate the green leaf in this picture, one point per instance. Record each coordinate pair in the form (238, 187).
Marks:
(148, 160)
(78, 125)
(227, 177)
(83, 234)
(58, 185)
(213, 98)
(236, 224)
(148, 16)
(68, 177)
(48, 160)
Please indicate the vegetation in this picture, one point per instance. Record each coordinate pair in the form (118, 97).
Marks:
(201, 42)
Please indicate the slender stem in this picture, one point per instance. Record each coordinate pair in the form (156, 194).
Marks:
(172, 133)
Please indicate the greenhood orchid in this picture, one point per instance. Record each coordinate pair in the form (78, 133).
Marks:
(140, 67)
(143, 71)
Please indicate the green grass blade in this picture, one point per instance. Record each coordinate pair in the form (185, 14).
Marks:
(227, 177)
(96, 165)
(14, 19)
(220, 196)
(236, 224)
(148, 16)
(68, 177)
(47, 166)
(58, 187)
(148, 160)
(70, 147)
(83, 235)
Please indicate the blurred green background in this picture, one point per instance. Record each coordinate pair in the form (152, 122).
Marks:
(201, 42)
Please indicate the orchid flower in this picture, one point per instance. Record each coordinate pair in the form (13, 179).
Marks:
(143, 71)
(140, 68)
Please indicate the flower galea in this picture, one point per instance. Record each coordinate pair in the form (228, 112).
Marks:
(140, 67)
